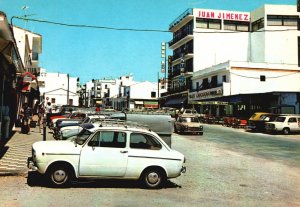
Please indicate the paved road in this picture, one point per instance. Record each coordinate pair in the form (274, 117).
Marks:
(224, 168)
(279, 148)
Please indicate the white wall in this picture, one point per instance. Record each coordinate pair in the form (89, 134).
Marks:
(143, 90)
(214, 48)
(55, 81)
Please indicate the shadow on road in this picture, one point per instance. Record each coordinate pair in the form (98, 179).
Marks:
(36, 179)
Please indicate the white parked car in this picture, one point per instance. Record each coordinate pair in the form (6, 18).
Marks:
(119, 152)
(285, 124)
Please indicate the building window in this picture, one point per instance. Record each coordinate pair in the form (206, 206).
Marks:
(236, 26)
(208, 23)
(52, 100)
(214, 81)
(258, 24)
(153, 94)
(197, 85)
(205, 84)
(224, 78)
(262, 78)
(280, 20)
(35, 56)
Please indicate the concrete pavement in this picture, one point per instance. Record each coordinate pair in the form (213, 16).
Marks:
(15, 151)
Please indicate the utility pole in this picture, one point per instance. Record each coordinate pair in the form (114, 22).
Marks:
(68, 89)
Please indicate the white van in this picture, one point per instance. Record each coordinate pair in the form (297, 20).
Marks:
(284, 123)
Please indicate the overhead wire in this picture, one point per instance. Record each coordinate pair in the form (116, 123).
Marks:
(25, 18)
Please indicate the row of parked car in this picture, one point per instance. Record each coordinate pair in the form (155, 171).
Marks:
(274, 123)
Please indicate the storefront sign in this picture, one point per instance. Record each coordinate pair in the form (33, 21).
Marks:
(205, 94)
(226, 15)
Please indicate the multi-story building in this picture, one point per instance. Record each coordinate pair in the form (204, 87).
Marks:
(218, 56)
(30, 47)
(58, 89)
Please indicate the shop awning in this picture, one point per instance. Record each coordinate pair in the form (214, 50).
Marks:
(139, 102)
(176, 101)
(151, 104)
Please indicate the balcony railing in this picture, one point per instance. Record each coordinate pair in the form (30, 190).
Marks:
(182, 16)
(177, 39)
(208, 87)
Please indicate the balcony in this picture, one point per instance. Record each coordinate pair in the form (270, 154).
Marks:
(186, 37)
(209, 87)
(185, 17)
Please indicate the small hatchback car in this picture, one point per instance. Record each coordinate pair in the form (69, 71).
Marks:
(188, 124)
(108, 152)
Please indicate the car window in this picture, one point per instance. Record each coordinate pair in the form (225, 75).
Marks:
(280, 119)
(112, 139)
(144, 141)
(293, 119)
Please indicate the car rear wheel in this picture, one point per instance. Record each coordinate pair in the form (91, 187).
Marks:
(153, 178)
(286, 131)
(60, 176)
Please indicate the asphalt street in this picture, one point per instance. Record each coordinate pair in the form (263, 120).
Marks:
(225, 167)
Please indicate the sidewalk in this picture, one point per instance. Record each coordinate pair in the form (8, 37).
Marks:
(14, 153)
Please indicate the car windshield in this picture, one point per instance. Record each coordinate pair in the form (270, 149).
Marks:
(86, 120)
(82, 136)
(280, 119)
(192, 119)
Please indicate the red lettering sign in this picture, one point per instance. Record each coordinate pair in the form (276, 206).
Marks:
(238, 16)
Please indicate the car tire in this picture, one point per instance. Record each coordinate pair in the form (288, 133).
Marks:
(201, 133)
(153, 178)
(60, 176)
(286, 131)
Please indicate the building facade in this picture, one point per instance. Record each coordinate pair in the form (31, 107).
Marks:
(206, 42)
(10, 67)
(30, 47)
(58, 89)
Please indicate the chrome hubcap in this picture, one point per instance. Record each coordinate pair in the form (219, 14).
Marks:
(59, 175)
(153, 178)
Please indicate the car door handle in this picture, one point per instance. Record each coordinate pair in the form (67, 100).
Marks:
(123, 151)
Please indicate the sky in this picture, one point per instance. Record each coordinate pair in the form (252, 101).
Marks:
(90, 53)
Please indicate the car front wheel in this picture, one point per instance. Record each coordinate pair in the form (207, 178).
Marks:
(60, 176)
(153, 178)
(286, 131)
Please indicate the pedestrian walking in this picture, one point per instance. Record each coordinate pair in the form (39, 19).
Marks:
(98, 108)
(26, 117)
(48, 110)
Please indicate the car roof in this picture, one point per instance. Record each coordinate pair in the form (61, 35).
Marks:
(188, 116)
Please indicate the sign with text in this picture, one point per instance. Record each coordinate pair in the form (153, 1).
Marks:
(221, 14)
(206, 94)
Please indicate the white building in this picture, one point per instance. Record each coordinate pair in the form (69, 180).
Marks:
(240, 55)
(59, 89)
(30, 47)
(142, 95)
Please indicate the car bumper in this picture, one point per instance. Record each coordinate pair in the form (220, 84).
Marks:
(183, 169)
(31, 165)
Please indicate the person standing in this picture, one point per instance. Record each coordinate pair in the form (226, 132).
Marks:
(27, 115)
